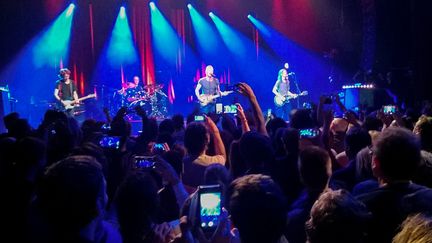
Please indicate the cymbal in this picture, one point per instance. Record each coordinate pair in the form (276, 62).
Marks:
(153, 86)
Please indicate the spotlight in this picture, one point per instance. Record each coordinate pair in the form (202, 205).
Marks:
(249, 16)
(211, 14)
(122, 12)
(189, 6)
(70, 9)
(152, 5)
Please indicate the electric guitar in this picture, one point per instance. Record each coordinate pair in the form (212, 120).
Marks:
(280, 101)
(70, 104)
(207, 99)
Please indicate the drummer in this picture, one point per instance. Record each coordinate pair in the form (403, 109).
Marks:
(134, 91)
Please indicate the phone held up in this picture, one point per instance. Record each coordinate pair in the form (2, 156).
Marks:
(110, 142)
(389, 109)
(226, 109)
(144, 162)
(309, 133)
(199, 118)
(210, 207)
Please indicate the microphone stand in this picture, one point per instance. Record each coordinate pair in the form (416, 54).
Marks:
(297, 87)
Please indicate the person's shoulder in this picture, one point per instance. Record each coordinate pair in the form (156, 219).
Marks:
(202, 79)
(372, 194)
(206, 160)
(419, 201)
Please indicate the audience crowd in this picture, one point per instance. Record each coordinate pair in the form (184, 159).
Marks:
(321, 177)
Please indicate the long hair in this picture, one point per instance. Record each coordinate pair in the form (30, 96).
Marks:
(280, 74)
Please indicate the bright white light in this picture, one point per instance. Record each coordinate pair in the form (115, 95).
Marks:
(122, 12)
(152, 5)
(70, 10)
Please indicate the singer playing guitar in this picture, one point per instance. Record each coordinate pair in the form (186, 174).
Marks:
(283, 95)
(65, 89)
(207, 90)
(66, 93)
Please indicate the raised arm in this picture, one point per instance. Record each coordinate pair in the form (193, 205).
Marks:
(242, 117)
(218, 143)
(247, 91)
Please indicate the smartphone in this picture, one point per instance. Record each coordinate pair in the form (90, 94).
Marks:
(230, 109)
(146, 162)
(158, 147)
(199, 118)
(210, 206)
(309, 133)
(219, 108)
(112, 142)
(389, 109)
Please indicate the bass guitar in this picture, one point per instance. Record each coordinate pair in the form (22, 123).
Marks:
(207, 99)
(70, 104)
(280, 101)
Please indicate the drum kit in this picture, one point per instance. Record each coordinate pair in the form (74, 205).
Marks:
(152, 99)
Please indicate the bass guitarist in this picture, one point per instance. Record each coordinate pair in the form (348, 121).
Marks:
(282, 93)
(65, 89)
(206, 89)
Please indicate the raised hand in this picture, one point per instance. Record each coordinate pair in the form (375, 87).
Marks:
(246, 90)
(240, 112)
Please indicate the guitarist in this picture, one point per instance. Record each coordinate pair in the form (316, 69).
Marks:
(281, 89)
(207, 86)
(65, 90)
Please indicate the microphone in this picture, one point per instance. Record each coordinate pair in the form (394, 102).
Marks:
(212, 75)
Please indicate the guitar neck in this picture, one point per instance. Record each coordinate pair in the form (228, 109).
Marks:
(85, 97)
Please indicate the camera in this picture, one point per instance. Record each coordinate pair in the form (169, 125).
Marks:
(199, 118)
(389, 109)
(309, 133)
(210, 206)
(146, 162)
(112, 142)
